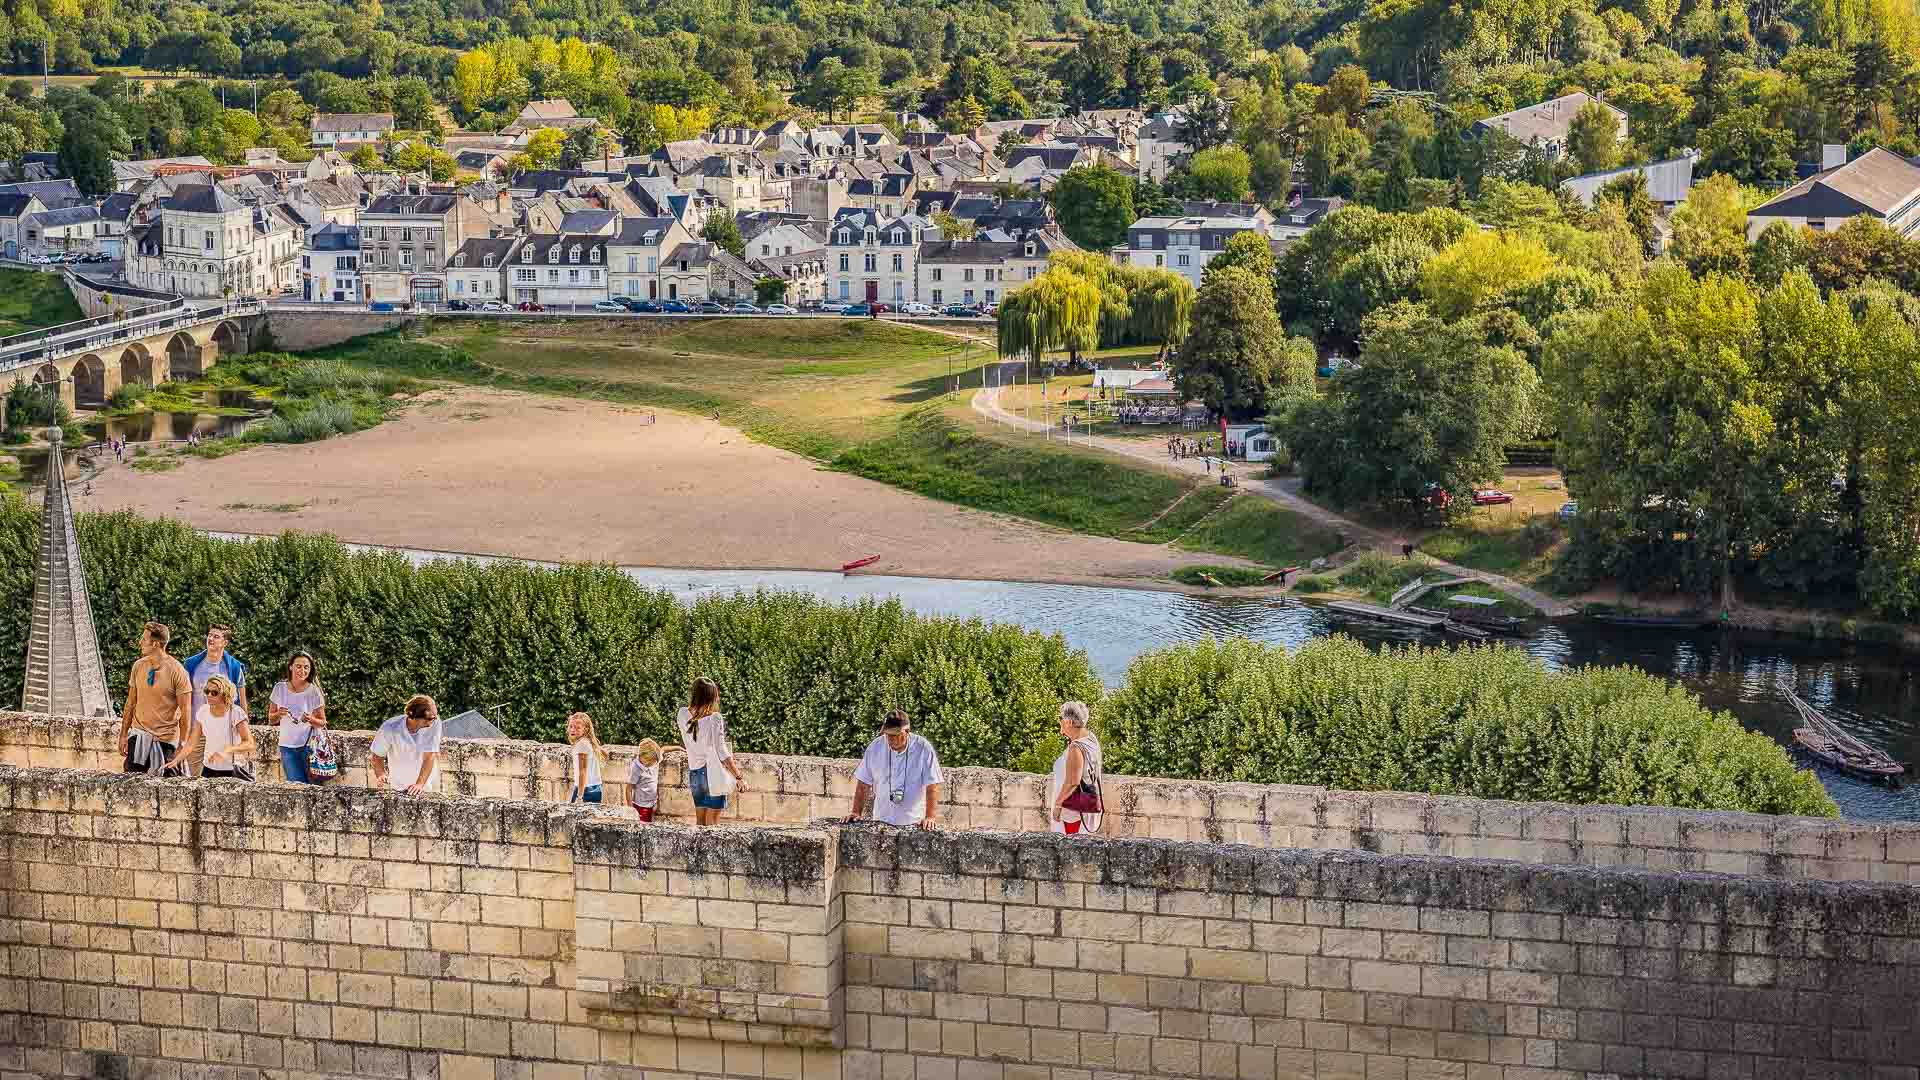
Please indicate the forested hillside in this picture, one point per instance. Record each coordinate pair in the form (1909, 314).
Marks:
(1753, 86)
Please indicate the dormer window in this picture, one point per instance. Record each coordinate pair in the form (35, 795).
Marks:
(1029, 249)
(487, 259)
(845, 237)
(526, 253)
(553, 254)
(594, 255)
(573, 254)
(899, 237)
(870, 234)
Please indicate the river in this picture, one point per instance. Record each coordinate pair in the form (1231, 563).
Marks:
(1868, 688)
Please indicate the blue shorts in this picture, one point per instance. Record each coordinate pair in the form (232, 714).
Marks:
(593, 795)
(702, 799)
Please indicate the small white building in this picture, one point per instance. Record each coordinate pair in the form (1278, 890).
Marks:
(330, 265)
(636, 253)
(477, 272)
(872, 258)
(1187, 243)
(334, 129)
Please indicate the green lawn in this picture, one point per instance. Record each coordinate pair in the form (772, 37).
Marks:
(30, 299)
(1260, 530)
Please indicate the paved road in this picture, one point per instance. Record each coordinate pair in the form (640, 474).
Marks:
(986, 402)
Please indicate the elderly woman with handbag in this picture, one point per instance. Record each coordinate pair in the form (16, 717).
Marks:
(1074, 792)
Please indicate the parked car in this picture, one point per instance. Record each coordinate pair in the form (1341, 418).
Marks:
(644, 307)
(529, 305)
(834, 307)
(1491, 497)
(856, 309)
(495, 305)
(610, 305)
(915, 307)
(780, 309)
(744, 308)
(381, 306)
(675, 307)
(1569, 511)
(709, 307)
(882, 309)
(959, 311)
(97, 257)
(1436, 496)
(812, 305)
(459, 305)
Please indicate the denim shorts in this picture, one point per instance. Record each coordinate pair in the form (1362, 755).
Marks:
(697, 780)
(593, 795)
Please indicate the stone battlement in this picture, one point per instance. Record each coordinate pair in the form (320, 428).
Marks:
(790, 791)
(155, 928)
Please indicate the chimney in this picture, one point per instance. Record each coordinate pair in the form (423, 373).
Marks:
(1832, 155)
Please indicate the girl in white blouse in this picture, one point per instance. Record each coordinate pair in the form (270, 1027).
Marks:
(711, 773)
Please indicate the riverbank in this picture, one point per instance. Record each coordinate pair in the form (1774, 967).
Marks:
(522, 476)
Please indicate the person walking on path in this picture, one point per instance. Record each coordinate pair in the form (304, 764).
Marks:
(299, 706)
(585, 761)
(159, 713)
(899, 777)
(228, 738)
(643, 777)
(1074, 794)
(711, 773)
(406, 750)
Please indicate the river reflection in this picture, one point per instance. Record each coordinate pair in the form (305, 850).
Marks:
(1867, 688)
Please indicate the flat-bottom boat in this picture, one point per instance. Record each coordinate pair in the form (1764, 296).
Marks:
(1510, 625)
(1828, 743)
(1656, 622)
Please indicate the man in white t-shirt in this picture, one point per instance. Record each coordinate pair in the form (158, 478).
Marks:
(406, 749)
(898, 778)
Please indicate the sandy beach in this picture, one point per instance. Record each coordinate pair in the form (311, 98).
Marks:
(496, 473)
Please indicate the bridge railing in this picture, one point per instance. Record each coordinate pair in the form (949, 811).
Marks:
(85, 335)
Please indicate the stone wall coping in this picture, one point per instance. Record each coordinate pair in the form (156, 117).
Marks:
(1269, 804)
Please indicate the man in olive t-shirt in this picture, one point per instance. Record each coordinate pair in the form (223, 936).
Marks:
(159, 708)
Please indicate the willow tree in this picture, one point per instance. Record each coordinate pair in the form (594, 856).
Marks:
(1161, 309)
(1057, 310)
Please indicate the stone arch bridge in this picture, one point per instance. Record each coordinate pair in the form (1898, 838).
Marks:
(86, 361)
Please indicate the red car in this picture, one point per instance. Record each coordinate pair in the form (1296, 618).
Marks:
(882, 309)
(1491, 497)
(528, 305)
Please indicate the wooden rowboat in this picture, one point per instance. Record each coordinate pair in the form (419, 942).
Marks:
(858, 563)
(1828, 743)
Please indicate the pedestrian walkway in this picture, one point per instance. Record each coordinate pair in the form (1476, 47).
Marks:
(986, 402)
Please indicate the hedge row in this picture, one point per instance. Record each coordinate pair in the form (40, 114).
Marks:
(798, 675)
(803, 676)
(1483, 722)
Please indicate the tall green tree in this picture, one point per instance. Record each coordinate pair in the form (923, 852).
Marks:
(1094, 206)
(1231, 359)
(1059, 310)
(1593, 138)
(724, 230)
(1710, 229)
(1431, 405)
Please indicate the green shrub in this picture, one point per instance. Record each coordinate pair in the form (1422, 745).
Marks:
(798, 675)
(1485, 722)
(1379, 575)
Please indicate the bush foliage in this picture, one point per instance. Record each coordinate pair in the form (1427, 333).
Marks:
(798, 675)
(1483, 722)
(804, 676)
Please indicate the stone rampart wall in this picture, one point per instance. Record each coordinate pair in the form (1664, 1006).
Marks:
(171, 929)
(792, 791)
(298, 329)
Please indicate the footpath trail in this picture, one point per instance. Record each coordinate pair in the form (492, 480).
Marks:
(986, 402)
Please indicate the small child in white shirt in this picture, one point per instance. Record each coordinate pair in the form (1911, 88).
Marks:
(643, 777)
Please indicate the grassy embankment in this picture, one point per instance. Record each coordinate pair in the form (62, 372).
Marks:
(30, 299)
(878, 400)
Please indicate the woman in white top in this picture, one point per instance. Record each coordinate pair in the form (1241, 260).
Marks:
(298, 706)
(224, 727)
(1079, 761)
(585, 760)
(711, 773)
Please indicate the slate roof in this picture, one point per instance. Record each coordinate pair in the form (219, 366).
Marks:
(1667, 181)
(13, 204)
(202, 199)
(67, 215)
(1879, 182)
(472, 255)
(634, 232)
(118, 206)
(53, 194)
(694, 253)
(587, 221)
(334, 237)
(411, 205)
(351, 122)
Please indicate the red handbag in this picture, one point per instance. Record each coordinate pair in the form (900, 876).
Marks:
(1086, 797)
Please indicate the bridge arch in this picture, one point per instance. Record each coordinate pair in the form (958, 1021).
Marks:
(231, 339)
(46, 375)
(90, 381)
(183, 357)
(136, 365)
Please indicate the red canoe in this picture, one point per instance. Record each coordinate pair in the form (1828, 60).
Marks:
(1281, 573)
(858, 563)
